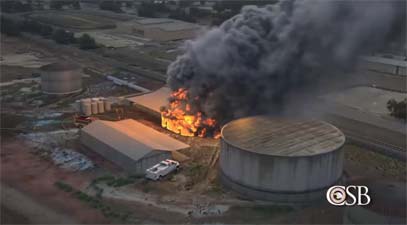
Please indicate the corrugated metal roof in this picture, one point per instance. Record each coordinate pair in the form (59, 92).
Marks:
(132, 138)
(282, 137)
(153, 100)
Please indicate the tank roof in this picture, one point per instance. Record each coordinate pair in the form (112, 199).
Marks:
(282, 136)
(60, 66)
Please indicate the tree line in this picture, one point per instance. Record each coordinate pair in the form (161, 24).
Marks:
(59, 35)
(16, 6)
(398, 109)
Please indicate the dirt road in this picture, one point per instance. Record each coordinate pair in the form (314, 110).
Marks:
(17, 207)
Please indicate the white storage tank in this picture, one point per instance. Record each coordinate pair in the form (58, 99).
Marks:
(108, 104)
(86, 107)
(101, 105)
(94, 106)
(61, 78)
(281, 160)
(77, 105)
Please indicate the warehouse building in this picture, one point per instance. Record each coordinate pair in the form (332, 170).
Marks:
(152, 102)
(129, 144)
(281, 160)
(160, 29)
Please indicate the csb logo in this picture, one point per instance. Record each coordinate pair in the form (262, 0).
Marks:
(349, 195)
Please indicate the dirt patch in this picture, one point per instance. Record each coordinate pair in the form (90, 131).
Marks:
(9, 216)
(15, 201)
(34, 176)
(361, 162)
(74, 21)
(9, 123)
(10, 73)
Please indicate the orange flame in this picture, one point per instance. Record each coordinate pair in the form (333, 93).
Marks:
(179, 118)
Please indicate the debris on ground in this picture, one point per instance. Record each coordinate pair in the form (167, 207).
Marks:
(53, 144)
(71, 160)
(49, 140)
(204, 208)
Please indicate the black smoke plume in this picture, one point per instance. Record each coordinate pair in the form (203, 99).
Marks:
(251, 62)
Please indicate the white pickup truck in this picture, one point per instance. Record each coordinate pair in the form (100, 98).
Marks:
(162, 169)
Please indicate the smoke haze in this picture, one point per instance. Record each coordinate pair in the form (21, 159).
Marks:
(253, 61)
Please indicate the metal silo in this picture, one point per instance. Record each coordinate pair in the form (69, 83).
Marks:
(281, 160)
(94, 106)
(61, 78)
(101, 105)
(86, 107)
(108, 104)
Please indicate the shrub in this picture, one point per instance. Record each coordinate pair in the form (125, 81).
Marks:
(103, 179)
(46, 30)
(397, 109)
(76, 5)
(62, 36)
(56, 4)
(87, 42)
(9, 27)
(63, 186)
(12, 6)
(110, 5)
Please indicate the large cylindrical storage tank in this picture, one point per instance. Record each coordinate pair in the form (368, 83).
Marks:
(387, 205)
(281, 160)
(61, 78)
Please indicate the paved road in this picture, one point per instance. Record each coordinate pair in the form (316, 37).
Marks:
(376, 133)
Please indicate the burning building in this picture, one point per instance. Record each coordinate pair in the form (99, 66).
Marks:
(281, 160)
(179, 117)
(151, 102)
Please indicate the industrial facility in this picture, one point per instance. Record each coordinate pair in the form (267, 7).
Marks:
(203, 112)
(61, 78)
(160, 29)
(129, 144)
(281, 160)
(92, 106)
